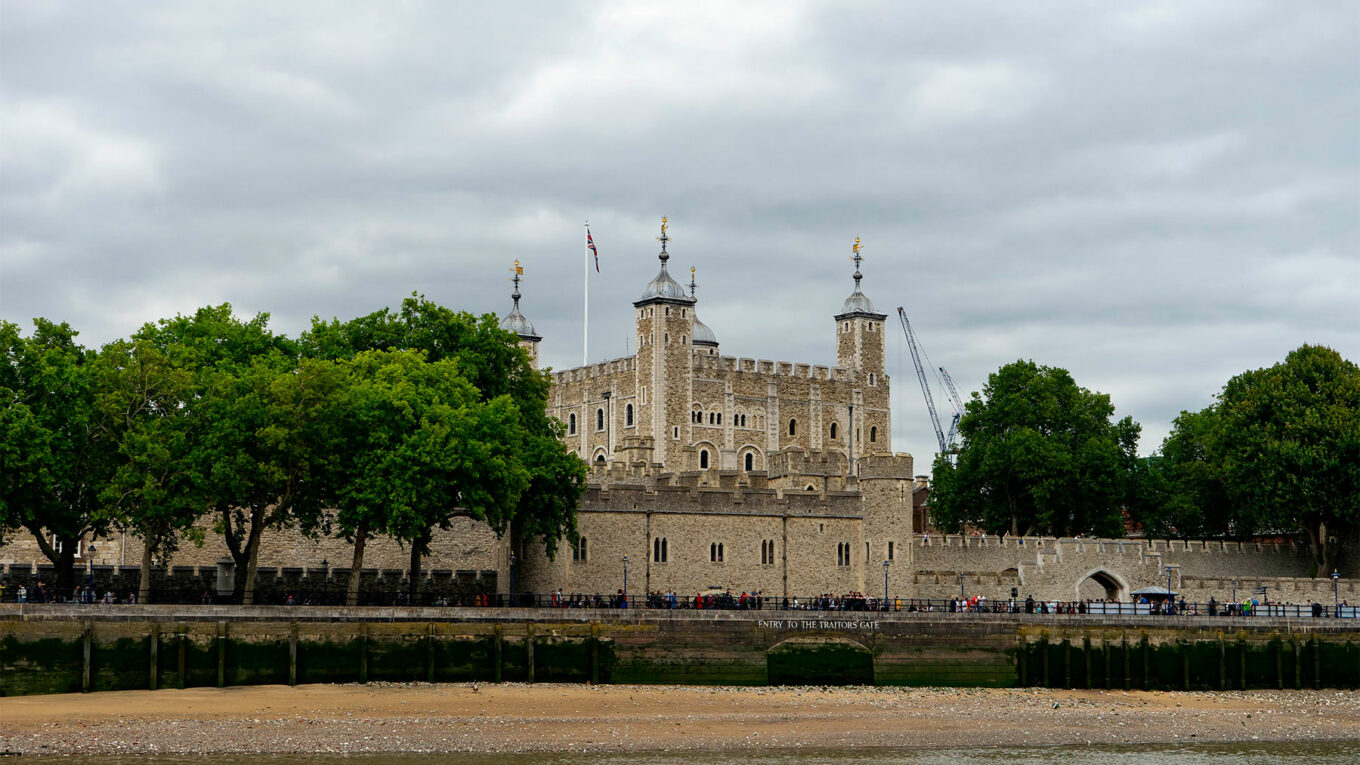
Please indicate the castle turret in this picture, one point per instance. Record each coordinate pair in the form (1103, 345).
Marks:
(860, 349)
(665, 379)
(704, 341)
(859, 328)
(517, 323)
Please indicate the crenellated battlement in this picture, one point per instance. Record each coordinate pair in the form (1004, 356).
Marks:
(897, 466)
(593, 371)
(1113, 546)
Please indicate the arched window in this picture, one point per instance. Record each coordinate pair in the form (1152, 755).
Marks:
(659, 551)
(873, 434)
(628, 415)
(599, 419)
(578, 550)
(750, 461)
(571, 425)
(703, 459)
(871, 378)
(793, 427)
(599, 459)
(833, 431)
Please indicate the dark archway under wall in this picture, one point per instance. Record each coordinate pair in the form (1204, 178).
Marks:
(1102, 585)
(819, 661)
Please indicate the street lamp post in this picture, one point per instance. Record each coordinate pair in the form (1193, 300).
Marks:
(624, 603)
(512, 577)
(1336, 597)
(89, 557)
(885, 586)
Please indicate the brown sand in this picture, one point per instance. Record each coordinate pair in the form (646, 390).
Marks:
(381, 717)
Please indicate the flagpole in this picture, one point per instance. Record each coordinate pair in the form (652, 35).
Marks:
(585, 280)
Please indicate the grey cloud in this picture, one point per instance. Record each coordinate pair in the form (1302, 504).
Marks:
(1156, 196)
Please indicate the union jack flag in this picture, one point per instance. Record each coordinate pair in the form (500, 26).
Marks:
(590, 244)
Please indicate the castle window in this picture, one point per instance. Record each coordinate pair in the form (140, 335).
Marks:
(682, 313)
(703, 459)
(811, 487)
(866, 552)
(659, 551)
(843, 554)
(599, 459)
(833, 431)
(793, 427)
(682, 339)
(715, 552)
(750, 460)
(599, 419)
(871, 378)
(571, 425)
(666, 337)
(628, 415)
(873, 434)
(890, 551)
(642, 395)
(767, 552)
(668, 310)
(719, 418)
(675, 433)
(578, 550)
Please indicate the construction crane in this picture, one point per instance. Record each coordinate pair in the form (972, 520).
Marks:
(921, 375)
(951, 437)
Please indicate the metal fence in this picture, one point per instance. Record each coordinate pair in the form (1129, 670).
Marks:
(742, 602)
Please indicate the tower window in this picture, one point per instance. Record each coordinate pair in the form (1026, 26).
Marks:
(628, 415)
(873, 434)
(871, 378)
(675, 433)
(890, 551)
(571, 424)
(715, 552)
(793, 427)
(833, 431)
(750, 460)
(703, 459)
(578, 550)
(659, 552)
(599, 419)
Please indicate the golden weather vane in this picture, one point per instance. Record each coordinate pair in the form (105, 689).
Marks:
(664, 221)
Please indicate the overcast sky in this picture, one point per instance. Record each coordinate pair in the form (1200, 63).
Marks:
(1153, 196)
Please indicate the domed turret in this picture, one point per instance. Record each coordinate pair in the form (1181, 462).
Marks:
(703, 336)
(858, 303)
(663, 286)
(516, 321)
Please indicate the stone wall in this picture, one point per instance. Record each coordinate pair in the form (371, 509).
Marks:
(54, 649)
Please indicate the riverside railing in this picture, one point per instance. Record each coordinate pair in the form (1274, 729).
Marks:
(741, 602)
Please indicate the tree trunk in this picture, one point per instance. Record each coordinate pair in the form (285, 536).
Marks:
(144, 583)
(360, 539)
(252, 560)
(417, 552)
(64, 562)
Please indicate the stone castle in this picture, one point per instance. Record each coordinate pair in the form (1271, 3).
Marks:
(710, 472)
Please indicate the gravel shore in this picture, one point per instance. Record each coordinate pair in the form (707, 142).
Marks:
(381, 717)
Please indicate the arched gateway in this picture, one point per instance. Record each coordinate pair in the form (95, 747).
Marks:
(1100, 584)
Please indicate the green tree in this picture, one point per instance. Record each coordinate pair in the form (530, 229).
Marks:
(491, 360)
(146, 408)
(1181, 491)
(1039, 455)
(417, 447)
(259, 420)
(1289, 440)
(56, 460)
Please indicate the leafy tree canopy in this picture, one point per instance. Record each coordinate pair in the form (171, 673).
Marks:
(1040, 455)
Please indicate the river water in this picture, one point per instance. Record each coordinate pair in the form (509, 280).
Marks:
(1273, 753)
